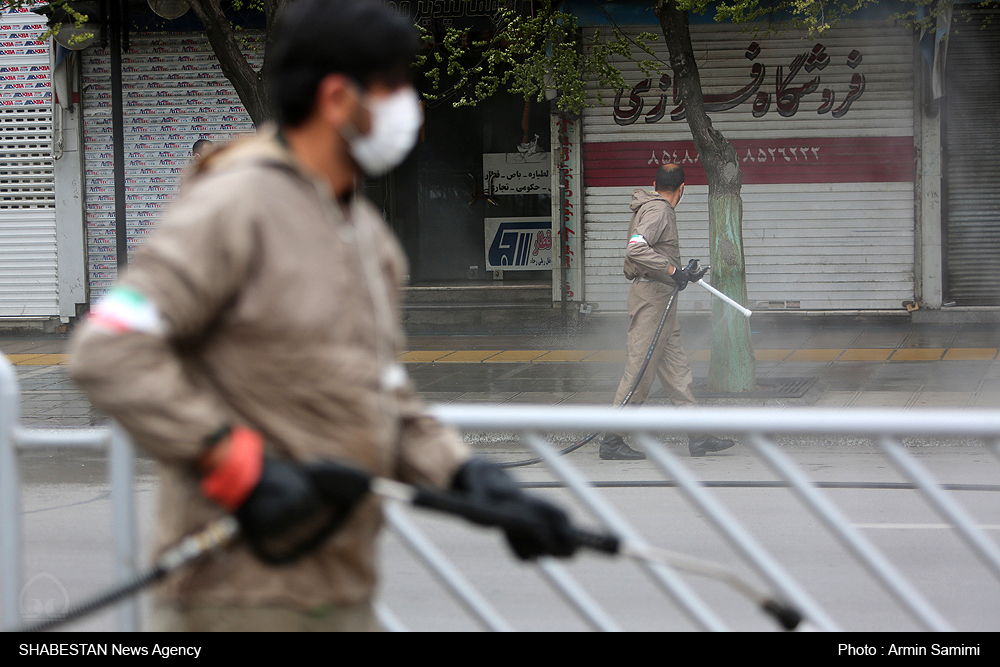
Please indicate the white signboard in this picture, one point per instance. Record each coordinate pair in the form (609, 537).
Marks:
(516, 174)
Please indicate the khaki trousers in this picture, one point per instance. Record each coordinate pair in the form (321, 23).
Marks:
(669, 363)
(347, 618)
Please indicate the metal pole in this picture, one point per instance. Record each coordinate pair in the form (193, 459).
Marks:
(737, 536)
(388, 620)
(11, 530)
(444, 570)
(576, 596)
(851, 538)
(123, 517)
(951, 510)
(972, 423)
(666, 577)
(118, 134)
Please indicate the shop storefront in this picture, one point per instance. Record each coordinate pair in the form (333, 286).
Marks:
(823, 129)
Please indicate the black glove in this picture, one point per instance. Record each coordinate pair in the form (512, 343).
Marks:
(541, 529)
(295, 507)
(283, 497)
(284, 508)
(695, 274)
(681, 278)
(692, 273)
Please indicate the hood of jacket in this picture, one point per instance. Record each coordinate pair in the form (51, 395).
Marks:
(642, 197)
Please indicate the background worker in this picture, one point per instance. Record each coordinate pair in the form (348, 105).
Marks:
(201, 149)
(256, 336)
(653, 264)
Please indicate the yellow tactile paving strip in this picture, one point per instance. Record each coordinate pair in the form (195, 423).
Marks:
(37, 359)
(865, 355)
(541, 356)
(918, 354)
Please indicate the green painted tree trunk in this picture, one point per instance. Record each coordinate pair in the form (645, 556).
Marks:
(733, 368)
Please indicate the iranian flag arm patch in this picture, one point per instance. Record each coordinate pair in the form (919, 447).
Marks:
(125, 310)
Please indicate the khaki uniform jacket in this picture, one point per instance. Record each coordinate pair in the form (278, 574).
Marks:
(652, 238)
(279, 309)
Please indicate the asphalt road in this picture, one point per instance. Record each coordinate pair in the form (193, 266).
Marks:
(68, 543)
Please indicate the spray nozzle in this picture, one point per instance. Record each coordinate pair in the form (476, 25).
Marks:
(694, 266)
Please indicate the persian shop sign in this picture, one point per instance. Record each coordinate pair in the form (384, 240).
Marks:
(516, 174)
(519, 244)
(786, 90)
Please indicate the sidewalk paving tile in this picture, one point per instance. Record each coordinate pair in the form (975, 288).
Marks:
(880, 339)
(970, 353)
(941, 399)
(918, 354)
(606, 355)
(467, 356)
(423, 356)
(566, 355)
(986, 399)
(883, 399)
(771, 355)
(815, 355)
(38, 359)
(539, 397)
(866, 355)
(517, 356)
(835, 399)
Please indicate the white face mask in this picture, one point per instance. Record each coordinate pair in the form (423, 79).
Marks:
(395, 124)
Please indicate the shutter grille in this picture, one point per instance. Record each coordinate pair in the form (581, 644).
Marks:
(26, 179)
(972, 170)
(29, 285)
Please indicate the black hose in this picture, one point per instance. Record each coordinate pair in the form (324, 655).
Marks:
(628, 397)
(111, 597)
(193, 546)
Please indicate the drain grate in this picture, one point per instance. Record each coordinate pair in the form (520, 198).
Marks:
(766, 388)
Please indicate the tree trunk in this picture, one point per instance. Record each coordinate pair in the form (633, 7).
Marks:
(732, 368)
(248, 83)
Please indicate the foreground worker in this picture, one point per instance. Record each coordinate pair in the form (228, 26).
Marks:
(256, 335)
(653, 264)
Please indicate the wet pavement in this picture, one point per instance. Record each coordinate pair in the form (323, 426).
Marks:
(846, 361)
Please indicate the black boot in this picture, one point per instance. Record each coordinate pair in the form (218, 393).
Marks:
(613, 448)
(703, 444)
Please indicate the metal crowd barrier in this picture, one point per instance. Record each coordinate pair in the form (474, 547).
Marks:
(758, 426)
(121, 458)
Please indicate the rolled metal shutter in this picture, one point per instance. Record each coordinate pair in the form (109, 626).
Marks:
(29, 285)
(828, 175)
(174, 93)
(972, 170)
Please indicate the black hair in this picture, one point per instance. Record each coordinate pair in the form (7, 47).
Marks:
(669, 177)
(200, 144)
(364, 39)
